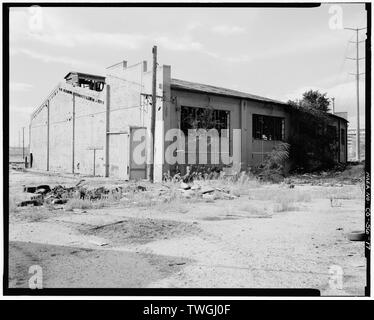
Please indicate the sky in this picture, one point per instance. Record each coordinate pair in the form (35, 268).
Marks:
(277, 53)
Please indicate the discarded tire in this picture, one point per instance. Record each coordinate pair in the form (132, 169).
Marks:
(356, 236)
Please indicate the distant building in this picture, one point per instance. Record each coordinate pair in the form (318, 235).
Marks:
(16, 154)
(352, 144)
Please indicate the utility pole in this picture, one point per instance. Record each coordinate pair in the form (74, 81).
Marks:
(357, 74)
(23, 142)
(333, 105)
(150, 165)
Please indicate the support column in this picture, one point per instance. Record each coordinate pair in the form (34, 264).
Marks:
(244, 134)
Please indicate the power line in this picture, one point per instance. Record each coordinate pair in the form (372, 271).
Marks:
(357, 74)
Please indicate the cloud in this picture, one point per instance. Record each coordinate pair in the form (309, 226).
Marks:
(57, 32)
(74, 39)
(54, 30)
(179, 44)
(227, 30)
(48, 58)
(20, 86)
(193, 25)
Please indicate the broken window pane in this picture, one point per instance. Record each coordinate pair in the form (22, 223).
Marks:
(268, 128)
(204, 118)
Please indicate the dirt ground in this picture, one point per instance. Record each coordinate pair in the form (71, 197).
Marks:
(284, 235)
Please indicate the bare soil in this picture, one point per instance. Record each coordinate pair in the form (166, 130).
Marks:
(272, 236)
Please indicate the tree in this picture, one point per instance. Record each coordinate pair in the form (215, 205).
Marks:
(313, 144)
(316, 100)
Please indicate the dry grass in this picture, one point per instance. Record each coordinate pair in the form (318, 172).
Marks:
(290, 195)
(253, 210)
(78, 204)
(344, 193)
(285, 206)
(13, 205)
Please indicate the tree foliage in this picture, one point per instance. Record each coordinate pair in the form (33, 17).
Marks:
(316, 100)
(313, 140)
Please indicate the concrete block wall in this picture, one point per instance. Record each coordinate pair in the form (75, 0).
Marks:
(38, 141)
(89, 107)
(60, 132)
(241, 115)
(201, 100)
(126, 109)
(130, 106)
(255, 147)
(89, 132)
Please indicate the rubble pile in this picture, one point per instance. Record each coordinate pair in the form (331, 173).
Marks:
(58, 195)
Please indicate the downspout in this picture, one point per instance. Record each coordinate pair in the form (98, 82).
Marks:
(48, 120)
(346, 142)
(30, 138)
(73, 142)
(339, 141)
(107, 125)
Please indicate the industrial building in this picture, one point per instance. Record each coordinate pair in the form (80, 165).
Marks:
(87, 123)
(352, 133)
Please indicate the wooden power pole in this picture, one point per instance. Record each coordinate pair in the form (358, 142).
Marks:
(150, 165)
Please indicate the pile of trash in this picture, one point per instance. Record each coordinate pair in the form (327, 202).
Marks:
(59, 195)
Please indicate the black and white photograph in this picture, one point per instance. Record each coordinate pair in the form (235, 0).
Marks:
(198, 148)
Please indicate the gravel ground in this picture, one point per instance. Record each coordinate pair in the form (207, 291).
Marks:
(242, 243)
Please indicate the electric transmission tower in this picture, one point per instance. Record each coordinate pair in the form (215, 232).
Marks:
(357, 74)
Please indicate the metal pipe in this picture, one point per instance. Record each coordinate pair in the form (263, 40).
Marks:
(107, 133)
(73, 138)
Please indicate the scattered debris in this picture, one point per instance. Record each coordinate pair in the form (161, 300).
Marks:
(79, 211)
(185, 186)
(188, 193)
(59, 201)
(209, 197)
(206, 189)
(29, 189)
(177, 264)
(43, 189)
(98, 243)
(30, 202)
(141, 188)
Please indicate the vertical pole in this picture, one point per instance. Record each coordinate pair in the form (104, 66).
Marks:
(150, 165)
(30, 137)
(48, 116)
(94, 161)
(23, 142)
(333, 105)
(107, 124)
(358, 99)
(73, 138)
